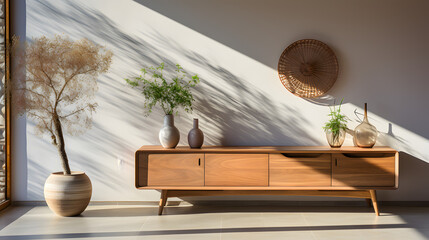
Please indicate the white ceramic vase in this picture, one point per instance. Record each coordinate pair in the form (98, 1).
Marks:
(169, 135)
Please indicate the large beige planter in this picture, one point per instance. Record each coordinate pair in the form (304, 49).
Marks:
(68, 195)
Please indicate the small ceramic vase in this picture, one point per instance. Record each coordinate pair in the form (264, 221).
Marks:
(365, 134)
(169, 135)
(336, 141)
(195, 136)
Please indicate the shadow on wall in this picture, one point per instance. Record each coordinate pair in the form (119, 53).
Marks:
(413, 176)
(239, 120)
(232, 112)
(377, 67)
(241, 114)
(227, 103)
(115, 99)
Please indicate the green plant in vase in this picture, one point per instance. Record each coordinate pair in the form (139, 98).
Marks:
(336, 127)
(170, 95)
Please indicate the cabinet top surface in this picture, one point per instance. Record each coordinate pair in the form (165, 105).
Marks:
(263, 149)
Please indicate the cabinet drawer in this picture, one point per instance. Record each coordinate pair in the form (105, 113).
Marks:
(236, 170)
(300, 170)
(176, 170)
(370, 170)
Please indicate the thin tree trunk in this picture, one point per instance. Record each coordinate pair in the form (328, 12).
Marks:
(61, 145)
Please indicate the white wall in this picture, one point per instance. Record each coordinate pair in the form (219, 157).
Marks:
(234, 46)
(18, 139)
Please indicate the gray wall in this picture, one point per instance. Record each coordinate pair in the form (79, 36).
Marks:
(234, 46)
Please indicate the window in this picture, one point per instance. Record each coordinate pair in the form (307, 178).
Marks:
(4, 104)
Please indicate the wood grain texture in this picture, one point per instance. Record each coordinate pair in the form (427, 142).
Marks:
(363, 171)
(374, 201)
(356, 172)
(330, 193)
(264, 149)
(396, 169)
(141, 168)
(262, 188)
(300, 171)
(176, 170)
(236, 170)
(162, 201)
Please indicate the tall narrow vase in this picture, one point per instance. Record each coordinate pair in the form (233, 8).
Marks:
(365, 134)
(195, 136)
(169, 135)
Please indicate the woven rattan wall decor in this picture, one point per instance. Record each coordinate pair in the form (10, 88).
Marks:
(308, 68)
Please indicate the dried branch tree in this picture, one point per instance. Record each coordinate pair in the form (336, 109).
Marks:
(60, 86)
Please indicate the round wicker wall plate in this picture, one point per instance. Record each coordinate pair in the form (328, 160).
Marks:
(308, 68)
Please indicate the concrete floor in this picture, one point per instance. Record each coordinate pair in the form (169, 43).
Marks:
(214, 222)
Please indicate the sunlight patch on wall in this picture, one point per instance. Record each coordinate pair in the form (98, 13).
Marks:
(240, 101)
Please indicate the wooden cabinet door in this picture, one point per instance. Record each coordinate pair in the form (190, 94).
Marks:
(369, 170)
(236, 170)
(176, 170)
(300, 170)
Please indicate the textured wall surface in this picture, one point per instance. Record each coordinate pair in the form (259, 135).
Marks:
(234, 46)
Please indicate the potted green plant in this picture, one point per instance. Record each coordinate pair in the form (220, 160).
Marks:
(170, 95)
(58, 94)
(336, 127)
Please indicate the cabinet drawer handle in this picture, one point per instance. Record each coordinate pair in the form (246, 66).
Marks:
(199, 161)
(336, 162)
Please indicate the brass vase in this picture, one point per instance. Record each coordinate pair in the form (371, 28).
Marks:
(365, 134)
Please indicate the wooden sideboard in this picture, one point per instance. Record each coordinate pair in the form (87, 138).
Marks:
(271, 170)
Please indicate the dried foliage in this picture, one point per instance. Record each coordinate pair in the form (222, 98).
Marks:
(60, 85)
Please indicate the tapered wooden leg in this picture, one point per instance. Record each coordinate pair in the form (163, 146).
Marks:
(374, 201)
(368, 202)
(162, 201)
